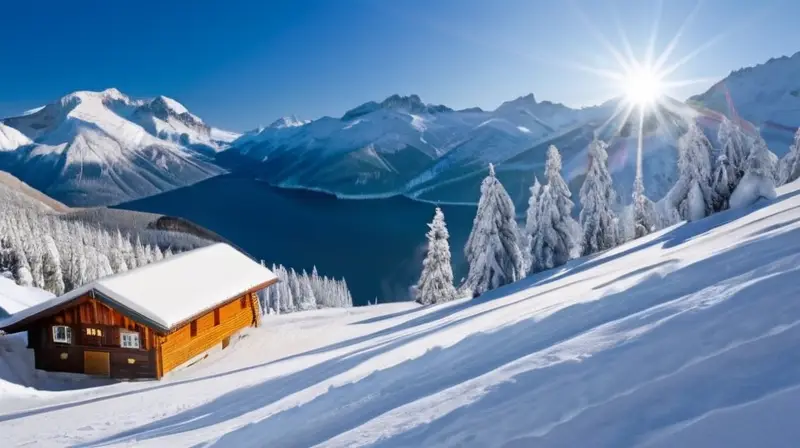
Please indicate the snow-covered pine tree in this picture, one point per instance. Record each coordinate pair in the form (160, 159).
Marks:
(734, 146)
(692, 195)
(117, 254)
(149, 254)
(435, 284)
(129, 253)
(157, 254)
(758, 181)
(644, 211)
(557, 238)
(139, 253)
(721, 184)
(790, 163)
(22, 269)
(492, 250)
(316, 286)
(597, 195)
(53, 277)
(531, 224)
(307, 301)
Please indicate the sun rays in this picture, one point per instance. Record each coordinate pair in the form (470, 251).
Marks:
(642, 84)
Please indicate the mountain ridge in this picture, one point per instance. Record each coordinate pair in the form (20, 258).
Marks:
(98, 148)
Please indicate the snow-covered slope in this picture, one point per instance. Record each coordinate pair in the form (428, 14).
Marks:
(97, 148)
(687, 337)
(765, 93)
(11, 139)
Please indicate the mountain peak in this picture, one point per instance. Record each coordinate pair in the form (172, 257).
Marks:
(525, 100)
(411, 104)
(289, 121)
(169, 103)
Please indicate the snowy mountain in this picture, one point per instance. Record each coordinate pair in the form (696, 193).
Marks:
(98, 148)
(767, 95)
(684, 338)
(402, 146)
(388, 147)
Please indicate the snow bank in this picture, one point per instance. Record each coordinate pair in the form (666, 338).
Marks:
(16, 362)
(750, 189)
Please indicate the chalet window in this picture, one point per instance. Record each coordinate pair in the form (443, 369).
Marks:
(94, 332)
(243, 302)
(216, 317)
(62, 334)
(129, 339)
(193, 328)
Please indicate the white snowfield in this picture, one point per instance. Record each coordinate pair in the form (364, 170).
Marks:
(687, 337)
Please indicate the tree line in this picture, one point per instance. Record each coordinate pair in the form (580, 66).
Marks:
(41, 249)
(302, 292)
(500, 251)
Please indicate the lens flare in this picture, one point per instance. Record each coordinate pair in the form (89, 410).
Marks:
(642, 87)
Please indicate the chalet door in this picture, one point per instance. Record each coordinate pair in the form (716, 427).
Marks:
(96, 363)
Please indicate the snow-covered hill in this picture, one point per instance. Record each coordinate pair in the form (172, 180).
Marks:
(686, 337)
(98, 148)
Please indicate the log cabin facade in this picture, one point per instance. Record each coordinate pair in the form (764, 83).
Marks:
(129, 326)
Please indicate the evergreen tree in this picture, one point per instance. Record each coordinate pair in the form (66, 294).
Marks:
(557, 238)
(139, 253)
(53, 276)
(22, 269)
(734, 146)
(492, 249)
(790, 164)
(644, 212)
(435, 284)
(721, 183)
(597, 217)
(307, 299)
(130, 254)
(157, 254)
(692, 195)
(531, 223)
(117, 254)
(759, 162)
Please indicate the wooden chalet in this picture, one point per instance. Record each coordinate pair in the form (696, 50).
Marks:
(146, 322)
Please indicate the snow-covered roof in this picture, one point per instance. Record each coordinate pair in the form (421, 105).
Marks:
(169, 292)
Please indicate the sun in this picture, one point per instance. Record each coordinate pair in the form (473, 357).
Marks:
(642, 86)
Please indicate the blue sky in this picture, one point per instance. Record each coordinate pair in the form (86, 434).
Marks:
(240, 64)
